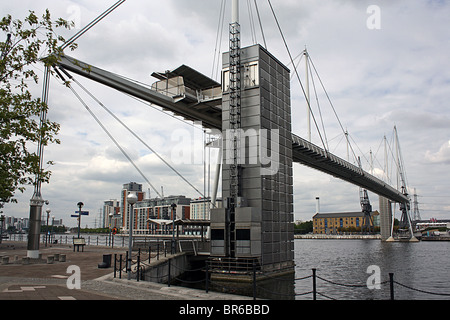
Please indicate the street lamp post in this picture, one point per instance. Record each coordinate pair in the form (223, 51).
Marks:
(80, 205)
(173, 205)
(2, 218)
(46, 231)
(51, 234)
(110, 228)
(131, 199)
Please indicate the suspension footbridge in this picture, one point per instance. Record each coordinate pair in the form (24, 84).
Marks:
(256, 221)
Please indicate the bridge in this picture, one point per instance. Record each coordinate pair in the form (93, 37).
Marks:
(256, 221)
(198, 106)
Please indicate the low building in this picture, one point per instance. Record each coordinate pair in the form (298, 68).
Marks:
(333, 223)
(154, 216)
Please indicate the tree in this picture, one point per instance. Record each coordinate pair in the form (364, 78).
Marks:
(303, 227)
(27, 43)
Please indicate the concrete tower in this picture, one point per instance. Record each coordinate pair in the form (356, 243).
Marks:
(261, 225)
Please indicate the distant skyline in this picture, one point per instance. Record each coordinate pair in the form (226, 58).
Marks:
(383, 63)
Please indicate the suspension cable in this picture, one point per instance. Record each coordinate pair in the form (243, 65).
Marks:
(318, 104)
(332, 107)
(112, 138)
(136, 136)
(252, 22)
(298, 77)
(91, 24)
(218, 40)
(260, 25)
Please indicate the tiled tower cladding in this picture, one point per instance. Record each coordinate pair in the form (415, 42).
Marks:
(385, 217)
(263, 223)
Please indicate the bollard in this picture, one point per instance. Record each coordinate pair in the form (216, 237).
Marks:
(206, 278)
(157, 250)
(138, 266)
(115, 264)
(168, 276)
(106, 261)
(254, 279)
(314, 283)
(149, 253)
(391, 285)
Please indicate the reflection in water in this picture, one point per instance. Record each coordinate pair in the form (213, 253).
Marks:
(342, 272)
(424, 266)
(269, 286)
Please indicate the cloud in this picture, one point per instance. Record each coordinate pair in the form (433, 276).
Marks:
(397, 75)
(440, 157)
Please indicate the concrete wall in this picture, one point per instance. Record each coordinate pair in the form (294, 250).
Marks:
(158, 271)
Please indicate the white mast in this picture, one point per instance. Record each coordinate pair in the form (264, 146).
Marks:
(235, 11)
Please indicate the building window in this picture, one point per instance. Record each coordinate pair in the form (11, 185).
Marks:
(242, 234)
(217, 234)
(250, 76)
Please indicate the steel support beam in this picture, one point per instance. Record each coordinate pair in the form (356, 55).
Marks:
(139, 91)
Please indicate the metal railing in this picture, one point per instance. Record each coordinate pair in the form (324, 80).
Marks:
(252, 269)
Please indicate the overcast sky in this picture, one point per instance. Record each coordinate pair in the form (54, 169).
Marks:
(383, 63)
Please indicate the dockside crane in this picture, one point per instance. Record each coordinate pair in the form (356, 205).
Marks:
(366, 207)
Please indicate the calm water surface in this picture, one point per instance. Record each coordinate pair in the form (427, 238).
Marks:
(424, 265)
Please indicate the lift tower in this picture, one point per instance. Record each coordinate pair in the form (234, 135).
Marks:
(256, 224)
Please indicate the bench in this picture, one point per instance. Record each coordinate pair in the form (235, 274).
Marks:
(79, 242)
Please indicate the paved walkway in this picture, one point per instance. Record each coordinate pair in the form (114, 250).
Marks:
(42, 281)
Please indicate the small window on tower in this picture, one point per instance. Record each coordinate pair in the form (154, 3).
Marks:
(251, 75)
(242, 234)
(217, 234)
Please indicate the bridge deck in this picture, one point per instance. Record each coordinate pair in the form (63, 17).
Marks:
(210, 114)
(313, 156)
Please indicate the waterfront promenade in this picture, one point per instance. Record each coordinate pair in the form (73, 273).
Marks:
(43, 281)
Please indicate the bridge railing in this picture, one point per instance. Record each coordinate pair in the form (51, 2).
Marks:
(314, 156)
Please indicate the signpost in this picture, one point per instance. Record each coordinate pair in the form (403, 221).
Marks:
(78, 215)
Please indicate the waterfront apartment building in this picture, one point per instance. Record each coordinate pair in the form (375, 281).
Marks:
(131, 187)
(333, 223)
(201, 208)
(155, 216)
(111, 214)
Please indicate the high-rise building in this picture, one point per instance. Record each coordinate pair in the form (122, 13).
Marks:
(111, 213)
(131, 187)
